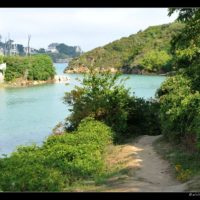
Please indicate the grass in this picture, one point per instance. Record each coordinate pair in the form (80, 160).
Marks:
(184, 165)
(117, 171)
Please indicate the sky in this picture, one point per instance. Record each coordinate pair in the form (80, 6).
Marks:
(84, 27)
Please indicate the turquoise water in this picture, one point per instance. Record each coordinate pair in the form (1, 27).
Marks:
(28, 115)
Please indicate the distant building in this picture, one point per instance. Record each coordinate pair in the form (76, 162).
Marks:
(1, 51)
(10, 49)
(14, 50)
(52, 48)
(2, 72)
(3, 67)
(31, 50)
(78, 49)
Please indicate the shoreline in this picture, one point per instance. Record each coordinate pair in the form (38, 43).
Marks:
(143, 74)
(23, 84)
(84, 70)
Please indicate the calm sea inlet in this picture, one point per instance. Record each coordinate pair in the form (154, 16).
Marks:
(28, 115)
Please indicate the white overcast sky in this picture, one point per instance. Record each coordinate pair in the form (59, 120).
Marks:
(86, 27)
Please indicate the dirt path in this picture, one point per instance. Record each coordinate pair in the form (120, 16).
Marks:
(150, 173)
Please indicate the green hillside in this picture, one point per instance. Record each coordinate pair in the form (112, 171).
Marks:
(145, 51)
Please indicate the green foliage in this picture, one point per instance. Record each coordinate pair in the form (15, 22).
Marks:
(20, 49)
(185, 14)
(64, 52)
(30, 177)
(101, 139)
(155, 60)
(61, 161)
(129, 51)
(185, 164)
(182, 174)
(102, 96)
(67, 50)
(193, 74)
(16, 67)
(41, 68)
(179, 110)
(143, 117)
(1, 59)
(186, 44)
(179, 95)
(41, 50)
(38, 67)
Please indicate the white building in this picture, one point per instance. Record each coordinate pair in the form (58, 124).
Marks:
(78, 49)
(31, 50)
(52, 48)
(14, 50)
(1, 51)
(2, 71)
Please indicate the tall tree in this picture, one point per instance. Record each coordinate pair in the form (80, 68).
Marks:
(20, 49)
(190, 35)
(186, 45)
(29, 38)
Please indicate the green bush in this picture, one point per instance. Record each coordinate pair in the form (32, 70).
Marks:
(179, 110)
(61, 161)
(38, 67)
(143, 117)
(155, 60)
(102, 96)
(16, 67)
(41, 68)
(29, 177)
(101, 139)
(1, 59)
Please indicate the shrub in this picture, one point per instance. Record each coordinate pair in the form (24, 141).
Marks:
(29, 177)
(61, 161)
(179, 110)
(182, 174)
(16, 67)
(1, 59)
(41, 68)
(97, 133)
(38, 67)
(155, 60)
(143, 117)
(102, 96)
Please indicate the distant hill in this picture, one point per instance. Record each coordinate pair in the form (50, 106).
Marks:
(145, 51)
(60, 52)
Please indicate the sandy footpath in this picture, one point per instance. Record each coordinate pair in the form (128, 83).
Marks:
(150, 172)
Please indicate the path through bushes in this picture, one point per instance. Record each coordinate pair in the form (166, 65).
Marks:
(150, 172)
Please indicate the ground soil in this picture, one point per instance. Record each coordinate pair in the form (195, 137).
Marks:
(146, 170)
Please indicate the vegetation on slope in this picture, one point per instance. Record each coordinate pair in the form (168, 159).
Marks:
(147, 50)
(64, 52)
